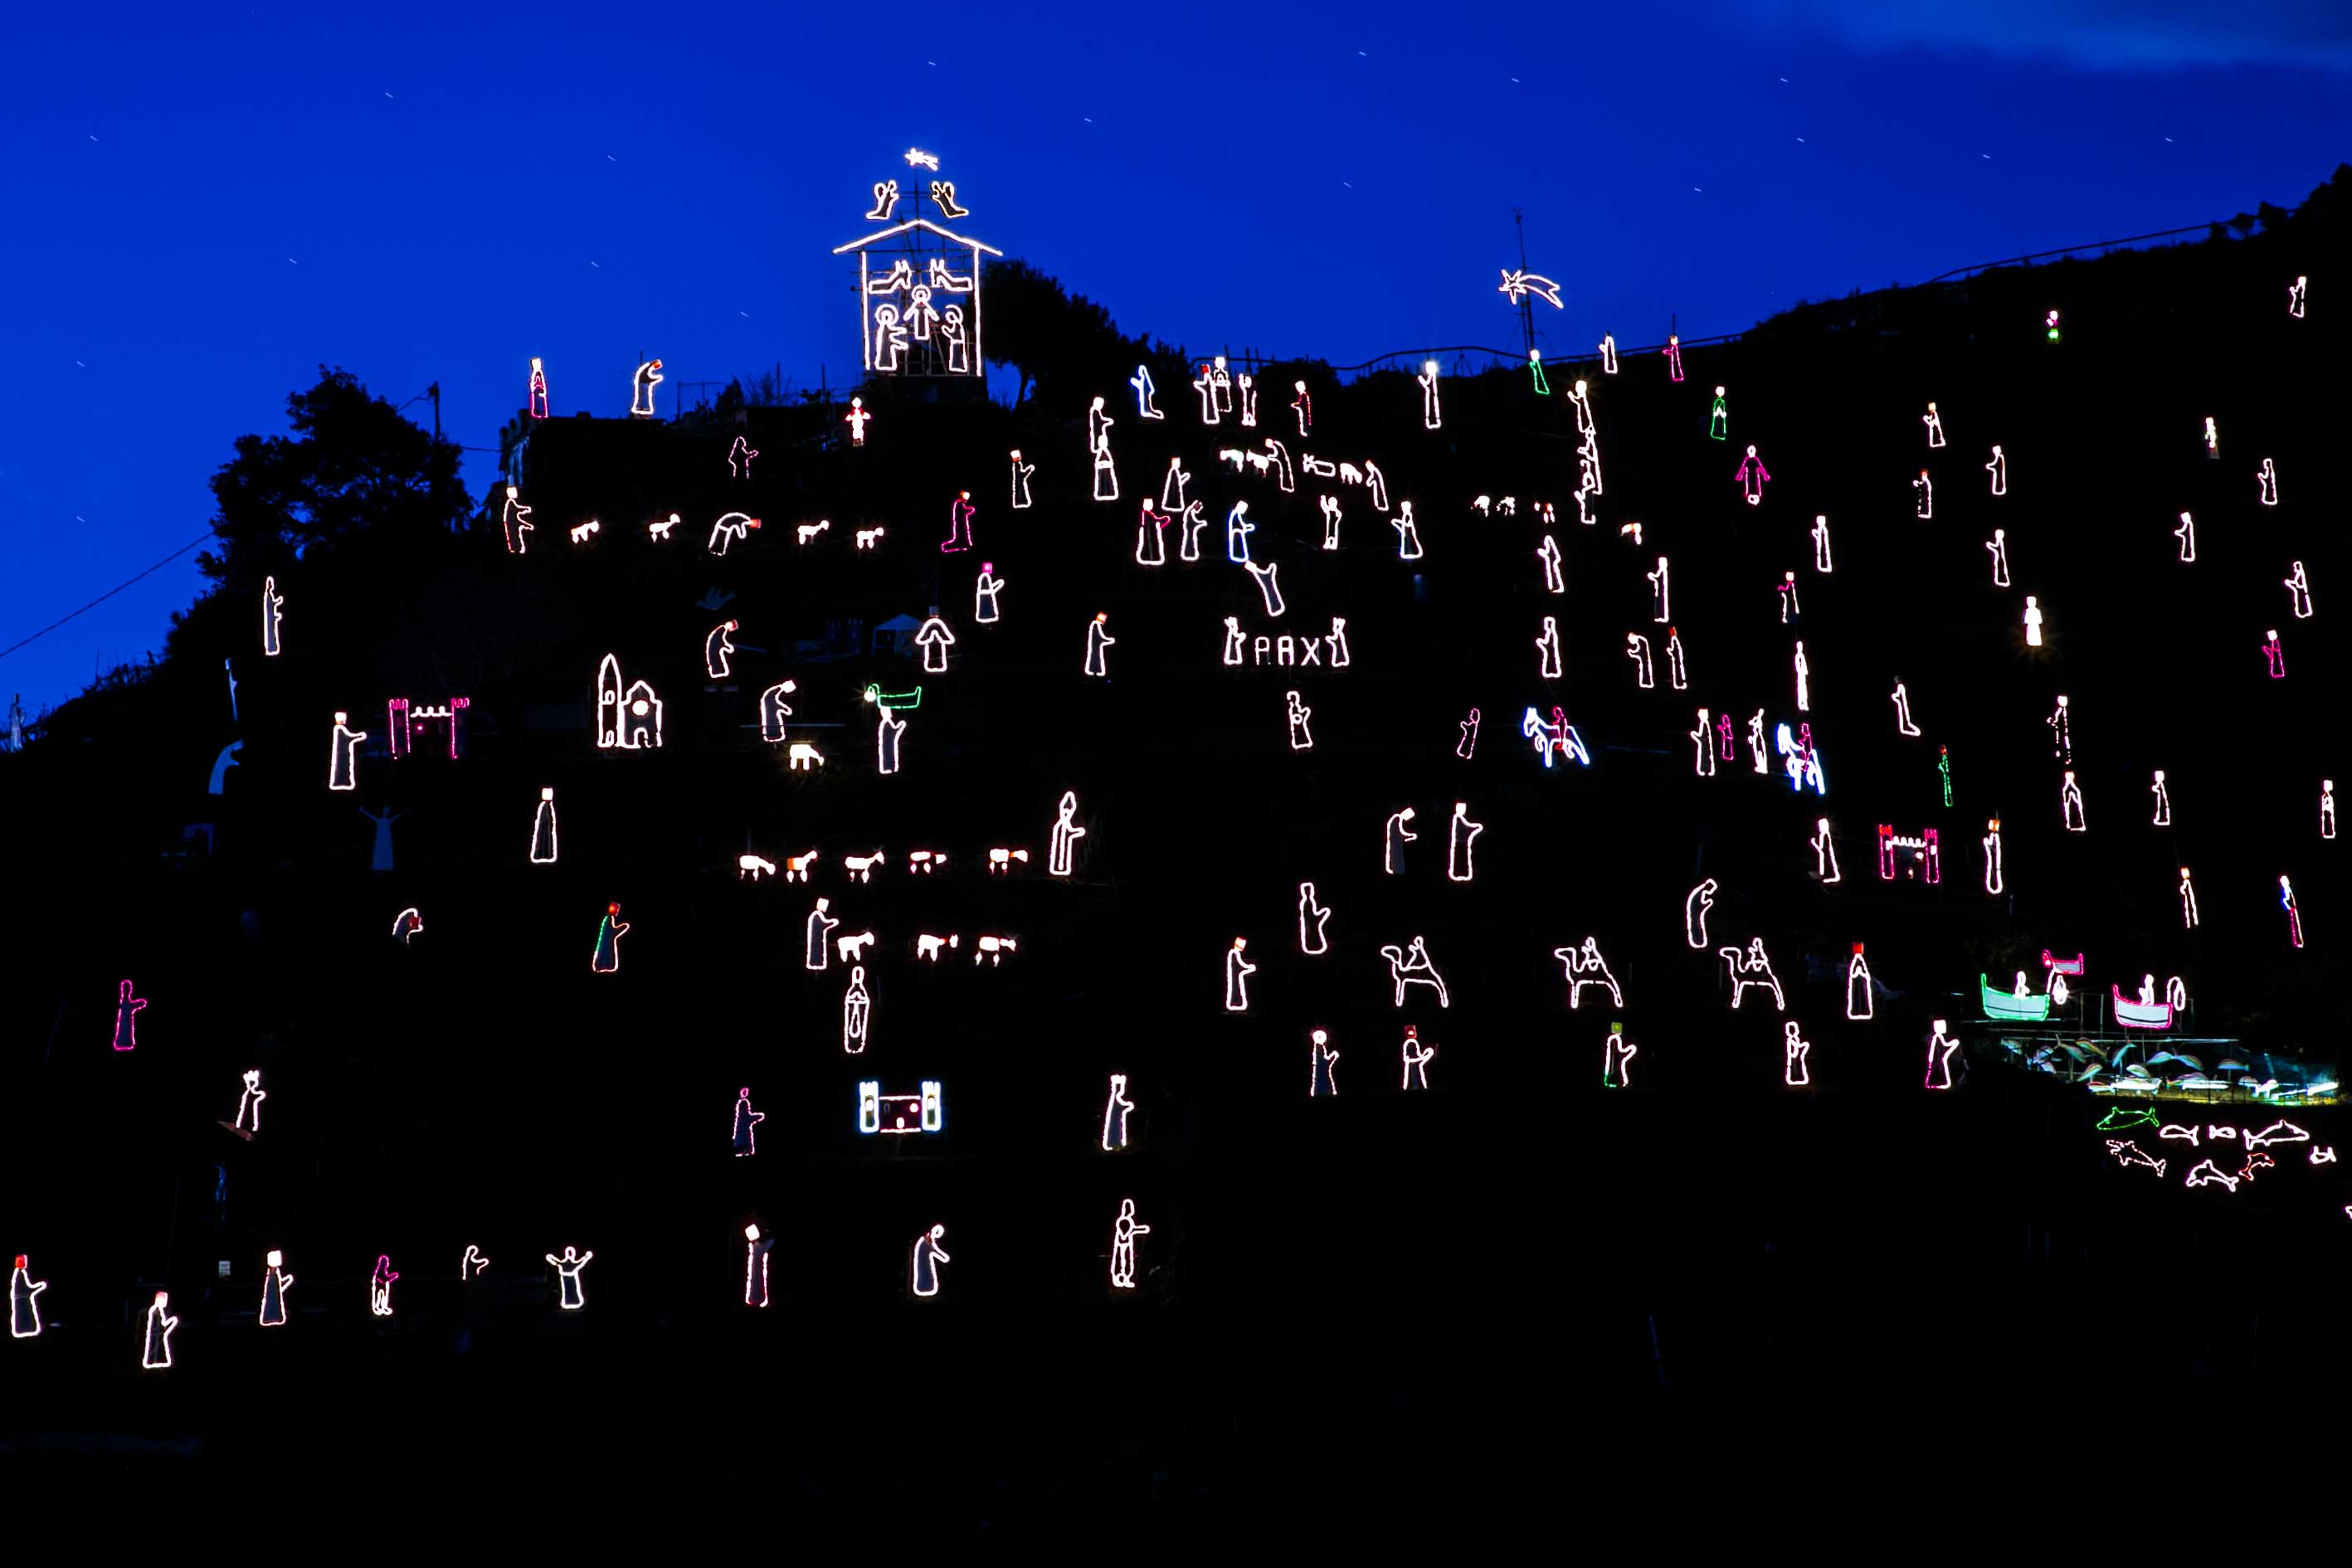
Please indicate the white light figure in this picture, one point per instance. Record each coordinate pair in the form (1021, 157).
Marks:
(1637, 649)
(1066, 833)
(1791, 610)
(1584, 966)
(156, 1353)
(984, 590)
(1246, 385)
(2163, 817)
(342, 754)
(658, 530)
(1696, 904)
(1902, 701)
(1238, 969)
(2032, 622)
(2186, 534)
(1752, 478)
(1548, 554)
(272, 603)
(2266, 477)
(1859, 1001)
(756, 1247)
(1097, 640)
(23, 1302)
(924, 1277)
(1408, 535)
(1678, 676)
(2275, 656)
(1277, 458)
(1021, 475)
(1205, 385)
(817, 935)
(1321, 1061)
(1617, 1054)
(1998, 547)
(641, 399)
(1234, 641)
(538, 389)
(1141, 382)
(572, 1291)
(1301, 738)
(514, 517)
(1268, 588)
(1939, 1058)
(1238, 528)
(1337, 639)
(1547, 650)
(1999, 469)
(731, 528)
(2295, 298)
(1329, 507)
(1124, 1231)
(1314, 920)
(2294, 911)
(1189, 525)
(1116, 1110)
(1673, 352)
(1926, 508)
(2212, 440)
(1703, 739)
(380, 1287)
(1411, 966)
(1755, 740)
(856, 1012)
(857, 419)
(1991, 843)
(1394, 837)
(1660, 593)
(1430, 418)
(960, 512)
(248, 1104)
(1462, 833)
(2061, 739)
(1821, 544)
(2070, 804)
(1106, 472)
(542, 830)
(1751, 966)
(1304, 407)
(1417, 1057)
(1172, 487)
(2298, 592)
(275, 1283)
(2187, 901)
(1803, 669)
(1825, 849)
(934, 638)
(1934, 423)
(743, 1130)
(2328, 809)
(473, 1265)
(719, 650)
(739, 458)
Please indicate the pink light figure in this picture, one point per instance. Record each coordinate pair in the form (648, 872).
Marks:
(127, 1008)
(2298, 592)
(959, 515)
(1673, 352)
(1469, 742)
(380, 1287)
(2275, 656)
(755, 1266)
(2294, 912)
(1726, 745)
(538, 389)
(1752, 478)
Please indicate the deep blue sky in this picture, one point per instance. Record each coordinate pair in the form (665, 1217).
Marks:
(203, 203)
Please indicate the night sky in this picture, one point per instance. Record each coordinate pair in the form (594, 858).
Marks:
(206, 203)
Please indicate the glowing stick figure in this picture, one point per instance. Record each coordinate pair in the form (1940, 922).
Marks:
(1548, 554)
(1172, 486)
(515, 518)
(739, 458)
(1115, 1113)
(248, 1103)
(1791, 610)
(1247, 386)
(1098, 641)
(2061, 742)
(1337, 639)
(641, 400)
(1718, 423)
(1673, 352)
(2212, 440)
(572, 1291)
(1992, 842)
(2298, 592)
(1660, 593)
(380, 1285)
(1637, 649)
(2294, 912)
(1727, 747)
(1150, 536)
(275, 1283)
(1411, 966)
(23, 1302)
(1926, 507)
(1187, 528)
(1821, 544)
(606, 959)
(2070, 804)
(1755, 740)
(1430, 418)
(272, 602)
(984, 590)
(1021, 474)
(2186, 534)
(1939, 1058)
(2266, 477)
(1394, 837)
(1677, 677)
(1314, 920)
(1238, 528)
(1607, 353)
(157, 1355)
(1703, 739)
(1066, 833)
(342, 754)
(718, 649)
(1902, 701)
(2187, 901)
(542, 830)
(2163, 817)
(2328, 809)
(1408, 536)
(856, 1012)
(1141, 382)
(1548, 648)
(1321, 1060)
(1330, 506)
(2032, 622)
(745, 1133)
(127, 1009)
(1417, 1057)
(1616, 1056)
(1700, 899)
(1794, 1049)
(1859, 1001)
(1462, 833)
(1205, 385)
(959, 515)
(1238, 970)
(1803, 669)
(816, 935)
(1752, 478)
(2275, 656)
(1999, 469)
(1535, 370)
(1233, 640)
(2294, 296)
(1825, 849)
(1934, 423)
(756, 1248)
(1123, 1232)
(1301, 738)
(538, 389)
(858, 419)
(928, 1256)
(1303, 404)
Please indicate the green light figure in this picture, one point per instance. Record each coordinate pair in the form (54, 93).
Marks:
(894, 702)
(2052, 323)
(1944, 766)
(1534, 366)
(1619, 1051)
(2117, 1116)
(1718, 421)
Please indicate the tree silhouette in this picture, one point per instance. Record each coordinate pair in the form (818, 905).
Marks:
(1060, 341)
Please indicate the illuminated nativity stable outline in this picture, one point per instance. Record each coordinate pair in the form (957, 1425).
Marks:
(919, 314)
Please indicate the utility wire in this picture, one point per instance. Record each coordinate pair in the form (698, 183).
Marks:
(53, 625)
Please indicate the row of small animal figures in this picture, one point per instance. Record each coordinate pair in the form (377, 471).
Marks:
(731, 528)
(2206, 1174)
(860, 867)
